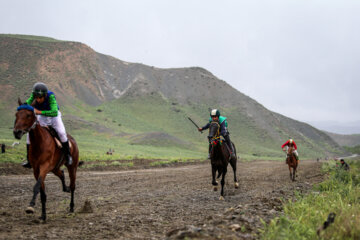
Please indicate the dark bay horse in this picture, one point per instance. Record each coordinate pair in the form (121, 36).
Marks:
(220, 158)
(292, 163)
(44, 156)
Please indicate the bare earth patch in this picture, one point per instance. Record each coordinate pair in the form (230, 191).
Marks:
(156, 203)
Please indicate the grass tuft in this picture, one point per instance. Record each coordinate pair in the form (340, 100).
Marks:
(339, 194)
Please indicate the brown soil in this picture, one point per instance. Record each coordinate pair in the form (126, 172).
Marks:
(157, 203)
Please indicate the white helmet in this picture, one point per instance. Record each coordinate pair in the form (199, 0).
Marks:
(215, 112)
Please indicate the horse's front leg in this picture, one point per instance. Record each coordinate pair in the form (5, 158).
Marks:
(214, 182)
(39, 187)
(294, 174)
(36, 190)
(223, 183)
(290, 173)
(43, 203)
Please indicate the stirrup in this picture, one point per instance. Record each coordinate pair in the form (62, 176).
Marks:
(26, 165)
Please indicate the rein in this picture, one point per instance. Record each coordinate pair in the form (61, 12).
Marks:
(32, 126)
(216, 137)
(215, 140)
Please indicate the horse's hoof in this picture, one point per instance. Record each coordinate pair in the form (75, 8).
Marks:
(215, 188)
(221, 198)
(236, 185)
(30, 210)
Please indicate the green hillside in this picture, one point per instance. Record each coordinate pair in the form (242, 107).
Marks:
(129, 126)
(141, 111)
(354, 149)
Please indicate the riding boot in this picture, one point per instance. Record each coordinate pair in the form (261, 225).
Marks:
(27, 164)
(228, 142)
(66, 151)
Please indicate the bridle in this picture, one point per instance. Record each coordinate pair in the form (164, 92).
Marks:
(32, 126)
(216, 138)
(27, 130)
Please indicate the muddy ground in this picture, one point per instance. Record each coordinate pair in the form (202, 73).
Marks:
(157, 203)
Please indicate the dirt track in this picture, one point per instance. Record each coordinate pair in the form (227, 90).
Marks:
(158, 203)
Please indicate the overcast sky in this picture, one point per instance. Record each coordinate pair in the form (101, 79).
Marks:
(299, 58)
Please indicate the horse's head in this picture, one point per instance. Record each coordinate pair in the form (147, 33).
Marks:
(214, 131)
(25, 120)
(290, 150)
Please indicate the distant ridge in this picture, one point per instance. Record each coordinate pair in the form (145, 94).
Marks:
(32, 38)
(346, 128)
(350, 140)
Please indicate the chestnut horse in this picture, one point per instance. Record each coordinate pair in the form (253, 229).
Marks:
(44, 156)
(220, 158)
(292, 163)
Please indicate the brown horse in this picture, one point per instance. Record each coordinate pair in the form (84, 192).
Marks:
(220, 158)
(292, 163)
(44, 156)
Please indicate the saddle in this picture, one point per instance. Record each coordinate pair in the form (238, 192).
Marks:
(56, 137)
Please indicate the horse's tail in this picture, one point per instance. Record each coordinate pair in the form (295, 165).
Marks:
(80, 163)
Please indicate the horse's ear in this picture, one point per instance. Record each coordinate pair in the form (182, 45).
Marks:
(19, 101)
(33, 103)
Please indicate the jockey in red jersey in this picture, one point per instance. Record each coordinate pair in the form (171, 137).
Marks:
(290, 143)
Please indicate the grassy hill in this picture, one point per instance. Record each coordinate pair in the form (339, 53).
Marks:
(354, 149)
(141, 111)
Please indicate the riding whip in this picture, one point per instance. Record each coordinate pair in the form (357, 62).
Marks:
(194, 123)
